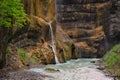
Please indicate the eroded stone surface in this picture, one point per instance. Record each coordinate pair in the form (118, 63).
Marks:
(83, 21)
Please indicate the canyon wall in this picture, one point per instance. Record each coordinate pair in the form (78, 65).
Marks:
(32, 44)
(84, 21)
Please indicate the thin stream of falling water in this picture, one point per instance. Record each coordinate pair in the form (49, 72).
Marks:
(53, 43)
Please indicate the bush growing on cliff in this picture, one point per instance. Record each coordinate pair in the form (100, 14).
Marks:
(112, 58)
(23, 55)
(12, 13)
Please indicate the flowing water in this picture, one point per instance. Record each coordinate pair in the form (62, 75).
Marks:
(53, 43)
(81, 69)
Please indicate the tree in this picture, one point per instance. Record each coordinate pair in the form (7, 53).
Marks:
(12, 13)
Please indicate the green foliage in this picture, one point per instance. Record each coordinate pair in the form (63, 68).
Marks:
(34, 58)
(23, 55)
(7, 53)
(112, 58)
(12, 13)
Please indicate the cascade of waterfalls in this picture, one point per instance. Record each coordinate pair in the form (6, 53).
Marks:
(53, 43)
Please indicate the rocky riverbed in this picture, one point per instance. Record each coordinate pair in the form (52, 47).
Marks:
(81, 69)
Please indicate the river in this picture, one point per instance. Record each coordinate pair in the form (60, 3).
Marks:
(80, 69)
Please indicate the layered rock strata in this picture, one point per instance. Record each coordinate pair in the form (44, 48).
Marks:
(83, 21)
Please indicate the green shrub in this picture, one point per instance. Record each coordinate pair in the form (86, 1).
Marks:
(23, 55)
(112, 58)
(12, 13)
(7, 53)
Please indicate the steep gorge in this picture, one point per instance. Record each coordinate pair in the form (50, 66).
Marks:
(86, 22)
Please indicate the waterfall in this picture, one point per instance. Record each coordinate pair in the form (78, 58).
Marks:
(53, 43)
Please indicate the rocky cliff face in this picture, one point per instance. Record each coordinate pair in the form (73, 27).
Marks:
(32, 43)
(112, 26)
(83, 21)
(40, 13)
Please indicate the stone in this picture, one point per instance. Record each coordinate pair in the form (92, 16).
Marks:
(52, 70)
